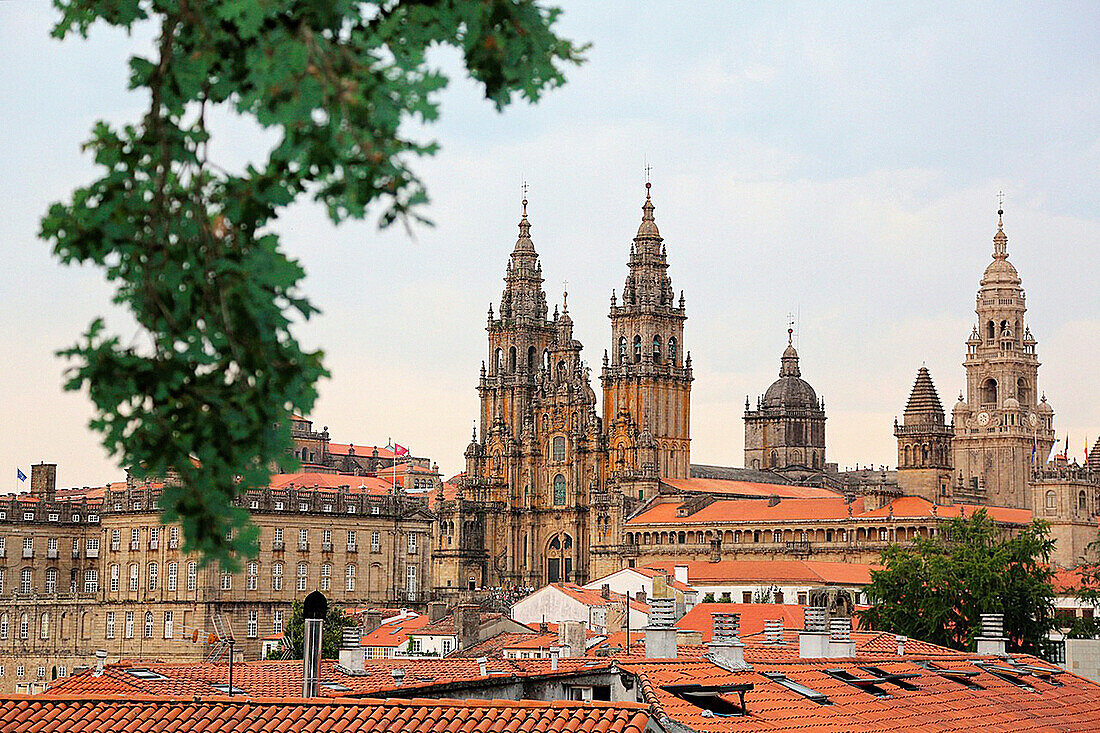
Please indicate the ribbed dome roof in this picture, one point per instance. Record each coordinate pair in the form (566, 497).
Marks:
(1000, 271)
(790, 390)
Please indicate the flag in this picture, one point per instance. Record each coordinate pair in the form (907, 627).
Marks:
(20, 475)
(400, 450)
(1053, 452)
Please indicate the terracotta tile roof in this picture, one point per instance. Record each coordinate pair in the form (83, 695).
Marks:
(241, 715)
(756, 572)
(927, 701)
(354, 484)
(653, 573)
(594, 597)
(748, 488)
(494, 646)
(916, 507)
(395, 632)
(745, 510)
(361, 451)
(1067, 581)
(753, 615)
(446, 625)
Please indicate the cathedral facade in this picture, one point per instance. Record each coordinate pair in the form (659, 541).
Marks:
(549, 479)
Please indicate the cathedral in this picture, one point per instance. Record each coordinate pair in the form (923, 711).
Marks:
(555, 483)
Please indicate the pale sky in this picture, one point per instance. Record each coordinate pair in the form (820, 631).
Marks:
(841, 162)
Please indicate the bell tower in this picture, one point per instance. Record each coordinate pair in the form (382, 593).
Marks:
(1002, 429)
(647, 378)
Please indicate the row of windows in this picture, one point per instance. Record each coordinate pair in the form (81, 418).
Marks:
(154, 538)
(26, 580)
(30, 516)
(91, 545)
(21, 671)
(657, 353)
(868, 534)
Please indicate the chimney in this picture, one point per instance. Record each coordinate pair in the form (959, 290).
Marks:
(100, 658)
(554, 653)
(841, 645)
(44, 481)
(605, 591)
(773, 631)
(372, 619)
(483, 666)
(725, 648)
(398, 676)
(992, 640)
(315, 608)
(680, 572)
(660, 634)
(352, 654)
(901, 644)
(813, 640)
(543, 628)
(571, 638)
(467, 620)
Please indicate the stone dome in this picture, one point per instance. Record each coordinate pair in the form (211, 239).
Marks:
(1012, 404)
(1044, 407)
(790, 390)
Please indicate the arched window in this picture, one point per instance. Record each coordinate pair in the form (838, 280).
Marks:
(1023, 392)
(44, 626)
(777, 536)
(989, 391)
(561, 371)
(991, 331)
(622, 349)
(672, 349)
(774, 459)
(133, 577)
(303, 574)
(277, 576)
(153, 572)
(656, 349)
(559, 490)
(512, 360)
(1082, 502)
(24, 626)
(25, 580)
(498, 361)
(148, 624)
(531, 358)
(637, 349)
(557, 452)
(51, 580)
(1052, 500)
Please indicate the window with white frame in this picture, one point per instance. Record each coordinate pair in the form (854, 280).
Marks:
(92, 544)
(277, 621)
(326, 539)
(28, 547)
(148, 624)
(154, 571)
(303, 539)
(53, 517)
(76, 547)
(412, 543)
(62, 671)
(227, 581)
(174, 537)
(44, 626)
(303, 574)
(250, 575)
(192, 575)
(375, 542)
(411, 577)
(169, 626)
(116, 539)
(277, 576)
(25, 581)
(134, 577)
(277, 538)
(51, 547)
(4, 625)
(351, 540)
(51, 580)
(326, 576)
(349, 578)
(154, 538)
(135, 538)
(253, 623)
(128, 631)
(91, 580)
(115, 575)
(24, 626)
(20, 671)
(173, 572)
(110, 625)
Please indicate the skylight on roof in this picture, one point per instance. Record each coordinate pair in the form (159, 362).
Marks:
(713, 700)
(145, 674)
(336, 686)
(225, 688)
(869, 684)
(806, 692)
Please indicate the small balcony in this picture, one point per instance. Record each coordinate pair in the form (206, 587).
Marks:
(91, 552)
(326, 547)
(28, 552)
(353, 548)
(115, 546)
(278, 546)
(76, 552)
(51, 553)
(303, 547)
(135, 546)
(154, 544)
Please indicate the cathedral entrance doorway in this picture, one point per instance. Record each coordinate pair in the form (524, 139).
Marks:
(559, 561)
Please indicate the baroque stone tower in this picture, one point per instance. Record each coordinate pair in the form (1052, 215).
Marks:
(787, 428)
(1002, 430)
(647, 378)
(924, 443)
(520, 517)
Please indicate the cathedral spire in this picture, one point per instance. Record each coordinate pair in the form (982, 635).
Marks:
(1000, 239)
(648, 228)
(788, 364)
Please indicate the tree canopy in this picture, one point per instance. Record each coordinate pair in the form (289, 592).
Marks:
(332, 632)
(937, 589)
(203, 393)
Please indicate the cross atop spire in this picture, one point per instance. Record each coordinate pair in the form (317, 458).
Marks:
(1000, 239)
(524, 188)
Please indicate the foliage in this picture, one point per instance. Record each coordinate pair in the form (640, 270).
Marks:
(708, 598)
(937, 590)
(765, 594)
(1088, 591)
(332, 633)
(203, 393)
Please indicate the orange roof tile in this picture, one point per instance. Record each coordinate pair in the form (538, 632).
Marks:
(753, 615)
(755, 572)
(741, 510)
(748, 488)
(310, 480)
(395, 632)
(593, 597)
(137, 714)
(906, 507)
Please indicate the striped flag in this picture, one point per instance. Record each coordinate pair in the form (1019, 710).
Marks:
(20, 475)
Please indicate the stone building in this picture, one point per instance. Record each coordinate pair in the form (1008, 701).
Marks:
(94, 569)
(786, 431)
(547, 481)
(924, 443)
(1003, 430)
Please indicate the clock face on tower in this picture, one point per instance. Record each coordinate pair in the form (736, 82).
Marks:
(983, 418)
